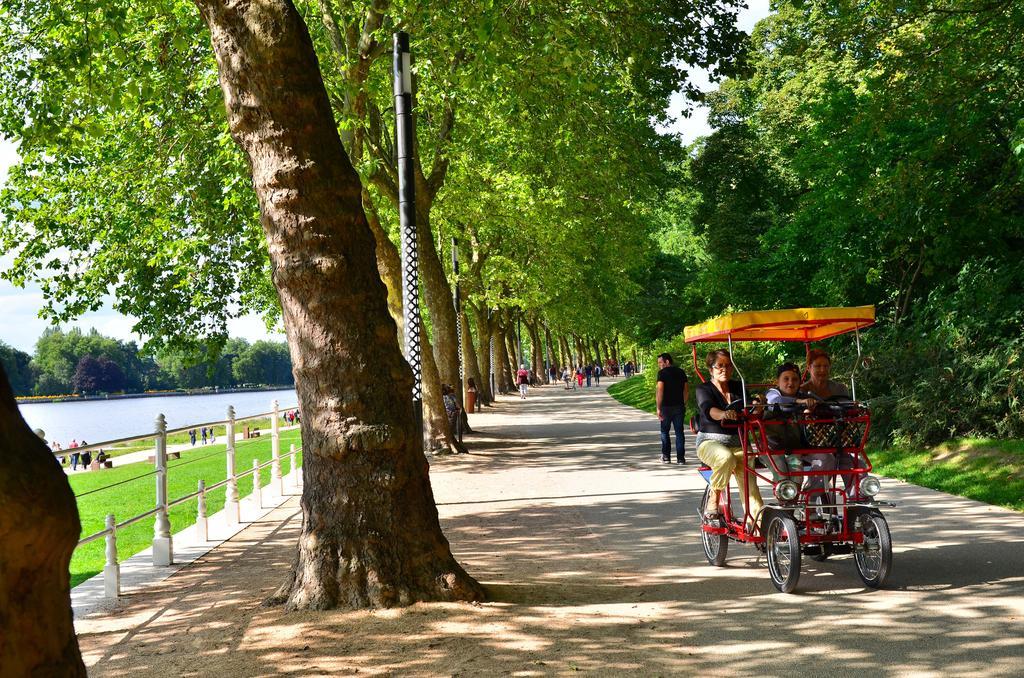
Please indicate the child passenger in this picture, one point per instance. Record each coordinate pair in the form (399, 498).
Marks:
(787, 436)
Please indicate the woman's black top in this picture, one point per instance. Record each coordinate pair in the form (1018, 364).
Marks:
(707, 397)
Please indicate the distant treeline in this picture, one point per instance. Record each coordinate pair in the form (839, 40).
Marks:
(88, 363)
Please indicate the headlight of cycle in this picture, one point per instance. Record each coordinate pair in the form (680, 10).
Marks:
(787, 490)
(870, 486)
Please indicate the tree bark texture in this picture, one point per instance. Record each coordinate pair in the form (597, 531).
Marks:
(501, 373)
(510, 347)
(370, 531)
(437, 294)
(552, 354)
(597, 351)
(484, 332)
(39, 529)
(437, 434)
(472, 364)
(536, 352)
(563, 344)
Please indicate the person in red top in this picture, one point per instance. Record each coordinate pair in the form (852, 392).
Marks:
(523, 379)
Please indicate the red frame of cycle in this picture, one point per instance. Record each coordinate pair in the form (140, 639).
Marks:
(750, 424)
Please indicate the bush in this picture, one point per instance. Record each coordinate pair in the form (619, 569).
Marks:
(955, 367)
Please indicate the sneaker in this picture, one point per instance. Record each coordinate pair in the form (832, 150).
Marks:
(681, 461)
(666, 460)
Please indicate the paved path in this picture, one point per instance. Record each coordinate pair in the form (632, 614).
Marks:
(589, 549)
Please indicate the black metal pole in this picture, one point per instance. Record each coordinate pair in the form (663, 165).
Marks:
(494, 388)
(407, 217)
(458, 320)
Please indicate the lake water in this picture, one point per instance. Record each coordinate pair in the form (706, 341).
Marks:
(99, 420)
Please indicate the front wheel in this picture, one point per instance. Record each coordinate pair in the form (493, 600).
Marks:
(782, 544)
(715, 545)
(873, 556)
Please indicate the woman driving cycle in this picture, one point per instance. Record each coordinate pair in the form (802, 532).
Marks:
(719, 446)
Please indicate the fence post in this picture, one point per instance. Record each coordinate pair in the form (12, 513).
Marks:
(231, 508)
(202, 528)
(163, 549)
(275, 450)
(112, 571)
(257, 492)
(295, 469)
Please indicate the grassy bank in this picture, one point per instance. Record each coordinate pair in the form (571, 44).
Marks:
(634, 392)
(99, 494)
(984, 469)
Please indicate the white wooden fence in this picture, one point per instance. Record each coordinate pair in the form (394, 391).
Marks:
(163, 547)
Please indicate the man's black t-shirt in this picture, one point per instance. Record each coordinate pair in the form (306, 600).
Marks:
(674, 379)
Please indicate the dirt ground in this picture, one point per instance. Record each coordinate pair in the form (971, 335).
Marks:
(587, 546)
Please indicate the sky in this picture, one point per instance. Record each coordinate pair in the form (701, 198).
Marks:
(20, 324)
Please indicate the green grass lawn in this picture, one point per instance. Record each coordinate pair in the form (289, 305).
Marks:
(984, 469)
(138, 495)
(634, 392)
(181, 438)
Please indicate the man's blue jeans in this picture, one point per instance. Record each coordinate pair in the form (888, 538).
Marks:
(672, 415)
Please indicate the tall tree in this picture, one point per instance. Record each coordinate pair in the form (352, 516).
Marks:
(370, 530)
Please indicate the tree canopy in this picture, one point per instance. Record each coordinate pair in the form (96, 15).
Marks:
(864, 153)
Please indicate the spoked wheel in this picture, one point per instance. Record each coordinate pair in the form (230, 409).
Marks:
(783, 546)
(715, 545)
(873, 556)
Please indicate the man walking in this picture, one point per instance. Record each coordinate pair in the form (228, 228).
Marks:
(670, 395)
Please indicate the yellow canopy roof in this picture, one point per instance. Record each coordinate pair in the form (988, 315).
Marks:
(792, 324)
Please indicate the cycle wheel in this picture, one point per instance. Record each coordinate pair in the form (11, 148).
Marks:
(783, 549)
(873, 556)
(715, 545)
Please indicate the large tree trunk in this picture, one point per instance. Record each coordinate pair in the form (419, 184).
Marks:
(501, 373)
(537, 353)
(552, 354)
(437, 294)
(597, 351)
(471, 362)
(484, 332)
(370, 530)
(510, 346)
(39, 530)
(563, 344)
(437, 433)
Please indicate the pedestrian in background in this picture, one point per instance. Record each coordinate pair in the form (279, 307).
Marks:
(523, 379)
(670, 395)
